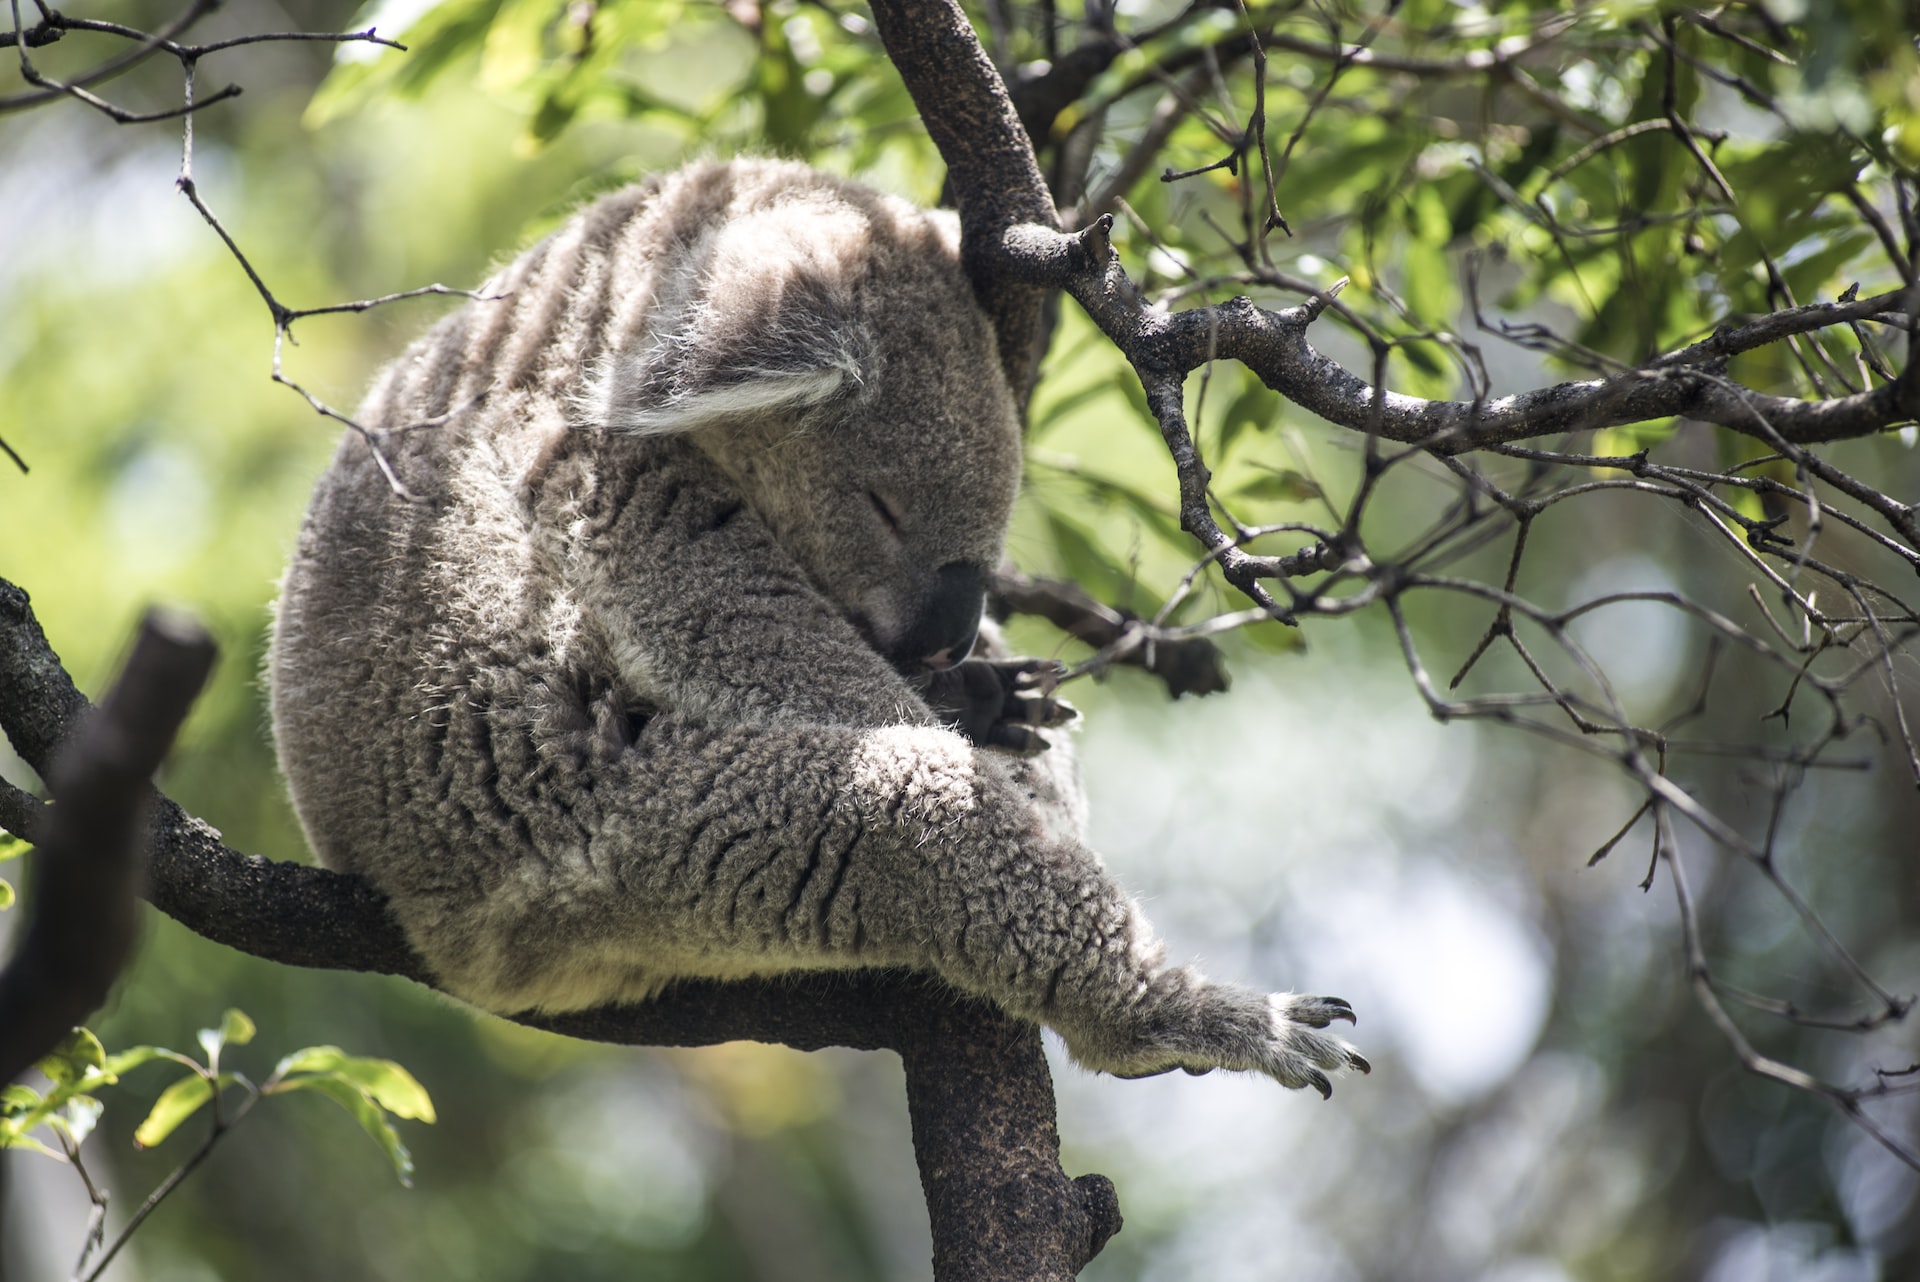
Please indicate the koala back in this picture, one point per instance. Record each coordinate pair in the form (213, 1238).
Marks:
(755, 335)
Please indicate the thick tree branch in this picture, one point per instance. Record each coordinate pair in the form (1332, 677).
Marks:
(991, 169)
(1164, 347)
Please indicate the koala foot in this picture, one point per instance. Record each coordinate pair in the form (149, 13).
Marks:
(1219, 1026)
(998, 703)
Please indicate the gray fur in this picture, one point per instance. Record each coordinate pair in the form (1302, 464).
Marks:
(607, 704)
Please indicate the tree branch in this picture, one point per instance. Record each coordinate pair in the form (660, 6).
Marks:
(87, 866)
(991, 169)
(1188, 665)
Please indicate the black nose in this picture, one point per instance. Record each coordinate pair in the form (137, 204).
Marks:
(943, 631)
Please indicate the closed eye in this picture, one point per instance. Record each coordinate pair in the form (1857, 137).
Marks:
(888, 513)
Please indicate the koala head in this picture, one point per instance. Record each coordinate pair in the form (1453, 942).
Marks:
(820, 342)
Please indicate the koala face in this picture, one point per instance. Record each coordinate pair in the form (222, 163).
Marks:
(894, 501)
(849, 384)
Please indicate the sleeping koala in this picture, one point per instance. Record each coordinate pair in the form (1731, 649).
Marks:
(626, 691)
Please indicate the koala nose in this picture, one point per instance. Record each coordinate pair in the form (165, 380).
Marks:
(949, 620)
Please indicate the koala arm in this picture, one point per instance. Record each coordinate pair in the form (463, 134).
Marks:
(703, 611)
(746, 850)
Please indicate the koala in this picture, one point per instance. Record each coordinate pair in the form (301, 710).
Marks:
(612, 665)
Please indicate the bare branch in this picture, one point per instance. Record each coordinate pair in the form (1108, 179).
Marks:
(86, 864)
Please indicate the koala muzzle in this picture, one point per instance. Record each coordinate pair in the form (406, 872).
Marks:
(943, 631)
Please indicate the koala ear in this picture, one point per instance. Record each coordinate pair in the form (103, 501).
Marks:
(782, 334)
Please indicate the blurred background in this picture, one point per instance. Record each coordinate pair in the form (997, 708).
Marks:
(1548, 1103)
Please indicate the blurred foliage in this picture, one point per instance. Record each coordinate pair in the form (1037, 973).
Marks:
(133, 378)
(79, 1068)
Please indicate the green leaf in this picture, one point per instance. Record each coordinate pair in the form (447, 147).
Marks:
(69, 1062)
(372, 1120)
(445, 35)
(6, 896)
(12, 847)
(176, 1104)
(25, 1108)
(21, 1110)
(10, 1139)
(235, 1030)
(385, 1082)
(1427, 281)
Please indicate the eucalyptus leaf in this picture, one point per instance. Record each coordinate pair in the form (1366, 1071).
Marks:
(176, 1104)
(372, 1119)
(385, 1082)
(76, 1054)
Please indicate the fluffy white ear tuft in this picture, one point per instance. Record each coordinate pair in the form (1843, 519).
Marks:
(758, 392)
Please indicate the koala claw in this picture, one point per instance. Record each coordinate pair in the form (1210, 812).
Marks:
(1318, 1012)
(1224, 1026)
(999, 703)
(1019, 740)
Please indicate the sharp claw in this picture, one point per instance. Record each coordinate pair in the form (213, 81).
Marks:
(1318, 1080)
(1356, 1060)
(1338, 1009)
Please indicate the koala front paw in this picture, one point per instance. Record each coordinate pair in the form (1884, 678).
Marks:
(1299, 1055)
(998, 703)
(1199, 1026)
